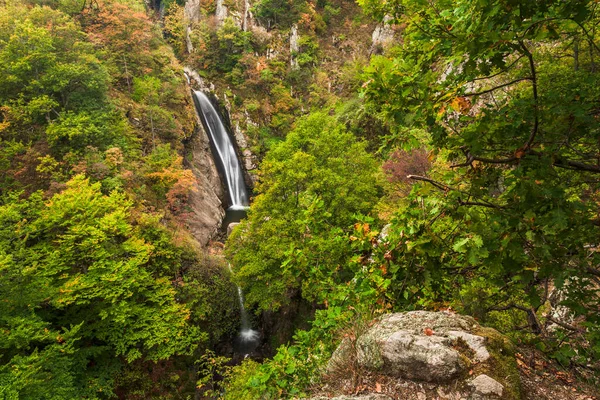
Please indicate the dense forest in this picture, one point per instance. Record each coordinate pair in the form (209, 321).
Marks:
(402, 155)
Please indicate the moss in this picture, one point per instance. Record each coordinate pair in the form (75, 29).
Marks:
(502, 365)
(465, 353)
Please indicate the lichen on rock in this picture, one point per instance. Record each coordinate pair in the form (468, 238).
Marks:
(439, 348)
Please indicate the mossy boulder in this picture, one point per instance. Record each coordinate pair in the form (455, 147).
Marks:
(437, 347)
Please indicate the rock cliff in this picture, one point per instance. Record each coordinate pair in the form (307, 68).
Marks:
(205, 202)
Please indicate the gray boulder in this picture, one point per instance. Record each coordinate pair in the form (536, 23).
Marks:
(432, 350)
(419, 345)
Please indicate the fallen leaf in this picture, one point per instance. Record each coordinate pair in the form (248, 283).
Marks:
(378, 387)
(428, 331)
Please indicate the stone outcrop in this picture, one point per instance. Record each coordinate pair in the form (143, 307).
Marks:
(206, 208)
(383, 35)
(191, 11)
(294, 47)
(221, 12)
(419, 345)
(445, 350)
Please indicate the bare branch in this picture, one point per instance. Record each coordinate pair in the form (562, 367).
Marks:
(527, 78)
(576, 165)
(563, 324)
(477, 203)
(437, 184)
(536, 122)
(500, 72)
(590, 37)
(445, 187)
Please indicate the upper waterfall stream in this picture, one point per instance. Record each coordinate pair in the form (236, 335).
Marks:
(225, 152)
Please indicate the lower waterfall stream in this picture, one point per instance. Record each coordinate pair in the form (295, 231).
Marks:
(248, 338)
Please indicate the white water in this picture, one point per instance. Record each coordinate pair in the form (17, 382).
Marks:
(230, 164)
(248, 336)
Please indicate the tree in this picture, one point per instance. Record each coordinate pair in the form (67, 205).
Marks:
(45, 71)
(280, 13)
(119, 28)
(310, 188)
(79, 294)
(504, 90)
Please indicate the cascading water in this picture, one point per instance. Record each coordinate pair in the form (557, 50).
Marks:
(248, 337)
(229, 163)
(232, 172)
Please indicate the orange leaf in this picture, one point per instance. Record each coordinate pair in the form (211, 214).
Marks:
(428, 331)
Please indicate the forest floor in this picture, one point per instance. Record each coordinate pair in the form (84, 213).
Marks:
(541, 379)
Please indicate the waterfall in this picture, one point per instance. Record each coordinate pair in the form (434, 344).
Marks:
(225, 152)
(228, 163)
(248, 337)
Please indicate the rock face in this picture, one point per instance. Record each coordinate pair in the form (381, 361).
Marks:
(382, 36)
(205, 201)
(294, 47)
(435, 348)
(191, 11)
(221, 12)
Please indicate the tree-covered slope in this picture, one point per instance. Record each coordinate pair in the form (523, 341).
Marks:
(99, 278)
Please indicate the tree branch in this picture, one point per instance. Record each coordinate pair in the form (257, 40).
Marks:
(500, 72)
(536, 121)
(445, 187)
(527, 78)
(576, 165)
(437, 184)
(477, 203)
(563, 324)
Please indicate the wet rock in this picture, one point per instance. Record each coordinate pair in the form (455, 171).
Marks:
(204, 201)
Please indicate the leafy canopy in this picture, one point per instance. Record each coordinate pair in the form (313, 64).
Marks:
(78, 290)
(311, 186)
(506, 93)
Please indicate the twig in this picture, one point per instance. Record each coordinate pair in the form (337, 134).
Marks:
(527, 78)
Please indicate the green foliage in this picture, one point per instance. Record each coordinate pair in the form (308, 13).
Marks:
(79, 290)
(75, 131)
(503, 91)
(221, 49)
(210, 367)
(309, 50)
(88, 281)
(311, 185)
(280, 13)
(47, 74)
(295, 367)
